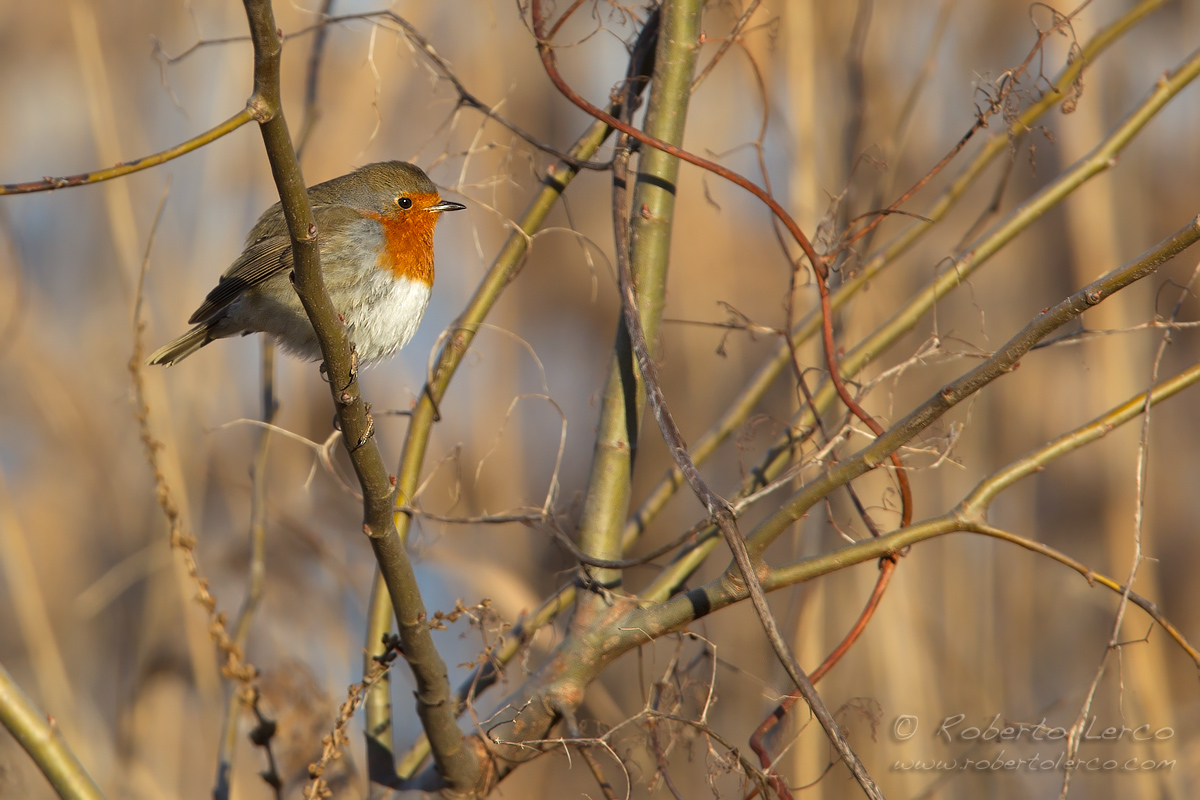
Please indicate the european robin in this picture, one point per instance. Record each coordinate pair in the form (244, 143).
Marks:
(375, 233)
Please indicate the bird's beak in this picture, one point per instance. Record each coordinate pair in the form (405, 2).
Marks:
(446, 205)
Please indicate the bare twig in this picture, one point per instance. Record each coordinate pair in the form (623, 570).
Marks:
(239, 119)
(312, 81)
(256, 575)
(998, 102)
(235, 667)
(1093, 577)
(733, 37)
(1075, 732)
(465, 96)
(757, 739)
(572, 724)
(336, 740)
(718, 509)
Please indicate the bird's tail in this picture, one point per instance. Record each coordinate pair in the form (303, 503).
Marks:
(184, 346)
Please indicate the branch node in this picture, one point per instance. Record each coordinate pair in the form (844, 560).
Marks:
(262, 110)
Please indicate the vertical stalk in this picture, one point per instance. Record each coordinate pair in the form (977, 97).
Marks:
(606, 507)
(457, 763)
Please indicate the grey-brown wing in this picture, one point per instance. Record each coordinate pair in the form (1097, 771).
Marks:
(261, 260)
(268, 253)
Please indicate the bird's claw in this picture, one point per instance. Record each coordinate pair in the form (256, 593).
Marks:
(368, 433)
(353, 362)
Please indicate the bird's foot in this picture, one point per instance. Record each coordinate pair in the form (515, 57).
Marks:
(353, 362)
(369, 432)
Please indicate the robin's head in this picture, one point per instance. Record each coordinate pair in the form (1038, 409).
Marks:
(405, 203)
(394, 189)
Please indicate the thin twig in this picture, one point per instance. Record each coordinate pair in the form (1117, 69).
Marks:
(312, 81)
(1075, 732)
(336, 740)
(239, 119)
(256, 574)
(465, 96)
(1093, 577)
(733, 37)
(757, 743)
(235, 667)
(997, 104)
(572, 724)
(718, 509)
(550, 63)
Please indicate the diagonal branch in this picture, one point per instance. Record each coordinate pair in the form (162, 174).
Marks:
(457, 763)
(1001, 363)
(43, 740)
(1151, 608)
(968, 516)
(679, 610)
(874, 265)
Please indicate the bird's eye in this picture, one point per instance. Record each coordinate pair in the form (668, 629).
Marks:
(404, 202)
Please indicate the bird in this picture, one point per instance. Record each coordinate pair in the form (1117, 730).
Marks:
(375, 234)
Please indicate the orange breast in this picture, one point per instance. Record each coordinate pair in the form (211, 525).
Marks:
(408, 239)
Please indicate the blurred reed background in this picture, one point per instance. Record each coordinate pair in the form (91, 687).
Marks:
(96, 618)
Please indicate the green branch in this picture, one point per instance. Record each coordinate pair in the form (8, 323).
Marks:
(682, 609)
(745, 403)
(44, 743)
(503, 271)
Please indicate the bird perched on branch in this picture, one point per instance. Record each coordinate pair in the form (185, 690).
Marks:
(375, 233)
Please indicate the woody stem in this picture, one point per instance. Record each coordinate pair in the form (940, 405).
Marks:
(456, 762)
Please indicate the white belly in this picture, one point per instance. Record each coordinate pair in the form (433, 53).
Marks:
(381, 314)
(387, 318)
